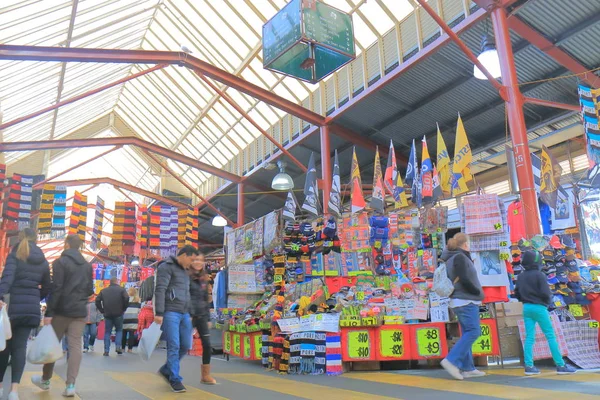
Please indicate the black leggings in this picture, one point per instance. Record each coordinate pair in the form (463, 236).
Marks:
(201, 324)
(129, 338)
(16, 349)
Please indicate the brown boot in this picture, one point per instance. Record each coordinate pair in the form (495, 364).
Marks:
(206, 378)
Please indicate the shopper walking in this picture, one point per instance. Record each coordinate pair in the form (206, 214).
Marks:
(533, 291)
(130, 321)
(112, 302)
(464, 302)
(72, 285)
(91, 325)
(199, 291)
(172, 308)
(26, 278)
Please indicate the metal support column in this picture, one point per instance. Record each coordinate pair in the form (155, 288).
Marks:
(325, 165)
(241, 214)
(516, 121)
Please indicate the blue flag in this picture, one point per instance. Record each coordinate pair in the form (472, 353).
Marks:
(411, 167)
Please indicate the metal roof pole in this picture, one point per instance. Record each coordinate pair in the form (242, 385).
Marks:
(326, 165)
(459, 43)
(553, 104)
(239, 109)
(80, 96)
(241, 212)
(516, 121)
(41, 184)
(187, 185)
(83, 191)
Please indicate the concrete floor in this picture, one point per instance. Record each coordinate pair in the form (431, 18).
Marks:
(128, 378)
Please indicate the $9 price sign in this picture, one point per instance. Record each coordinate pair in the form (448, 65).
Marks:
(483, 344)
(428, 342)
(359, 344)
(237, 345)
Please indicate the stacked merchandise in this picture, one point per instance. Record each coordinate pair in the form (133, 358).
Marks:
(59, 211)
(18, 209)
(590, 110)
(98, 224)
(308, 352)
(46, 207)
(141, 229)
(191, 227)
(356, 246)
(77, 225)
(154, 229)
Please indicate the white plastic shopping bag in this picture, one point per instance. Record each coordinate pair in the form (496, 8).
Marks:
(46, 348)
(149, 340)
(5, 323)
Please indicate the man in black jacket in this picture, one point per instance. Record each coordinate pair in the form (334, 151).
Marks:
(113, 302)
(67, 309)
(172, 309)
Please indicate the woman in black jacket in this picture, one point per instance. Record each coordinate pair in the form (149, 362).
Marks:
(26, 278)
(199, 280)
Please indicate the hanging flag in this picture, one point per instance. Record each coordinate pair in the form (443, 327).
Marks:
(311, 191)
(335, 199)
(46, 207)
(536, 164)
(437, 188)
(357, 197)
(58, 212)
(391, 170)
(426, 174)
(378, 195)
(461, 167)
(399, 193)
(98, 223)
(443, 165)
(411, 167)
(289, 210)
(550, 178)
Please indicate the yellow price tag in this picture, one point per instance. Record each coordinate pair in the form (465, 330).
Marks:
(319, 317)
(258, 346)
(359, 344)
(391, 343)
(483, 344)
(420, 253)
(369, 321)
(277, 278)
(227, 342)
(237, 344)
(247, 349)
(558, 304)
(439, 230)
(360, 296)
(278, 260)
(576, 310)
(594, 324)
(428, 342)
(348, 322)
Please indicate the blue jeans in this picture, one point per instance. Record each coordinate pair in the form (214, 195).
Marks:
(109, 323)
(89, 335)
(178, 331)
(461, 355)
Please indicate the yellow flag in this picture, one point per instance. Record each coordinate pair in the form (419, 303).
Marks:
(402, 201)
(443, 164)
(461, 166)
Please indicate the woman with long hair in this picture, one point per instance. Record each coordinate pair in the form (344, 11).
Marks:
(26, 278)
(130, 320)
(464, 302)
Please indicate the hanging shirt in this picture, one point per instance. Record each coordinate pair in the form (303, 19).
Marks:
(516, 221)
(545, 217)
(563, 216)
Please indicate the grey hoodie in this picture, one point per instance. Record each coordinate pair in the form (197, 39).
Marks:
(459, 265)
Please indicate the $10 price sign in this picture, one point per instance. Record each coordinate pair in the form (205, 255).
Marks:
(359, 344)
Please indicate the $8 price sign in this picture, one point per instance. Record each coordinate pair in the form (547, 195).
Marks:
(237, 345)
(359, 344)
(483, 344)
(428, 342)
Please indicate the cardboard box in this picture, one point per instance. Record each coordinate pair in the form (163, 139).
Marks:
(509, 314)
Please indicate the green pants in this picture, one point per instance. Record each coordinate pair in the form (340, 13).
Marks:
(535, 313)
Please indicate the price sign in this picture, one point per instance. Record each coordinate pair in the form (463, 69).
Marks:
(279, 260)
(227, 342)
(503, 243)
(576, 310)
(420, 253)
(392, 343)
(258, 347)
(483, 344)
(594, 325)
(369, 321)
(348, 322)
(279, 271)
(359, 344)
(277, 278)
(237, 344)
(247, 347)
(360, 296)
(428, 342)
(498, 226)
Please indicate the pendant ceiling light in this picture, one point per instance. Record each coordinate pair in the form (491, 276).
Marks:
(488, 58)
(219, 221)
(282, 181)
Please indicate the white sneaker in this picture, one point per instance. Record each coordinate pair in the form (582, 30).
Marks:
(37, 381)
(69, 391)
(473, 374)
(452, 370)
(13, 396)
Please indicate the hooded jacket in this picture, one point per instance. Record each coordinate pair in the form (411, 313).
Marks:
(459, 265)
(199, 295)
(72, 285)
(532, 284)
(172, 291)
(27, 282)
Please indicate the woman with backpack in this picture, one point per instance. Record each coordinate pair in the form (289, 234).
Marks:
(464, 302)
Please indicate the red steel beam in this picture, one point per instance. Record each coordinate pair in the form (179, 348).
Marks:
(122, 185)
(116, 141)
(537, 39)
(188, 186)
(553, 104)
(80, 96)
(63, 54)
(126, 195)
(465, 49)
(241, 212)
(239, 109)
(42, 183)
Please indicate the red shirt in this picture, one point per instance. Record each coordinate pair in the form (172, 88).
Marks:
(516, 222)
